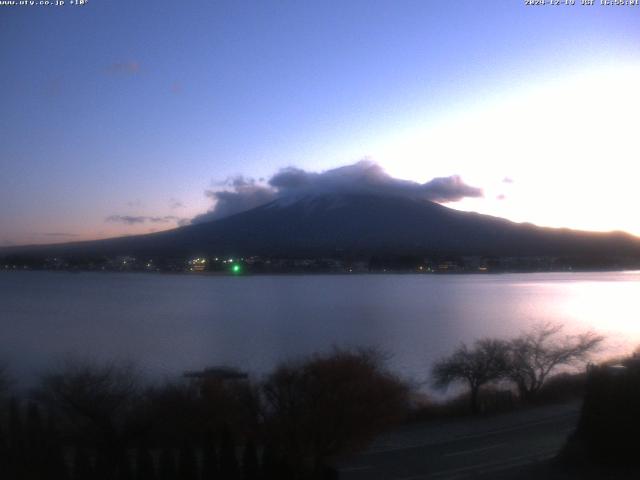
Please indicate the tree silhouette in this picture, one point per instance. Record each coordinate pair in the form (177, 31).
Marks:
(96, 402)
(534, 355)
(330, 405)
(485, 362)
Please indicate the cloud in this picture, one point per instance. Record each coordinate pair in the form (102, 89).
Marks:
(502, 196)
(449, 189)
(133, 219)
(365, 177)
(245, 194)
(369, 177)
(507, 180)
(124, 68)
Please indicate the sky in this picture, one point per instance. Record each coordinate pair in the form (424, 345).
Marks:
(121, 117)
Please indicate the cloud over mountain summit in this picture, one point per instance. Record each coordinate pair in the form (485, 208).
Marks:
(364, 177)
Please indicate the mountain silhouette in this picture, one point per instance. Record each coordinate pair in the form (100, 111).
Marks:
(357, 224)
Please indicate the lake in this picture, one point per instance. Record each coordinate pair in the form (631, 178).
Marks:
(170, 323)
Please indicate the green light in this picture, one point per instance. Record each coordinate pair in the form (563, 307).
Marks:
(235, 269)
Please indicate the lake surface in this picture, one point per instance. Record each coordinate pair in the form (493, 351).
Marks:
(170, 323)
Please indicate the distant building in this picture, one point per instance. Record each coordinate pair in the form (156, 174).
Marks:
(198, 264)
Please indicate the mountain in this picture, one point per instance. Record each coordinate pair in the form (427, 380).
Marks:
(356, 224)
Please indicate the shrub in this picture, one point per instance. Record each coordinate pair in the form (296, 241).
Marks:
(331, 405)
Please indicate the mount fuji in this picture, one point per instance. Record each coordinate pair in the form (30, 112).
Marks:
(354, 224)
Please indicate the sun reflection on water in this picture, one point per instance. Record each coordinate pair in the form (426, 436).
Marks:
(609, 307)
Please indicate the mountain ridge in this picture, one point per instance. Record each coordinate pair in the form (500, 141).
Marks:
(354, 224)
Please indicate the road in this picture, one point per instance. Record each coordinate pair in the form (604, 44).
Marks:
(476, 448)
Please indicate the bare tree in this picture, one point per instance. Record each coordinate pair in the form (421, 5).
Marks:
(96, 400)
(485, 362)
(534, 355)
(331, 404)
(97, 392)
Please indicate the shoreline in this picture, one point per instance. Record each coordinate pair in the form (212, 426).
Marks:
(333, 273)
